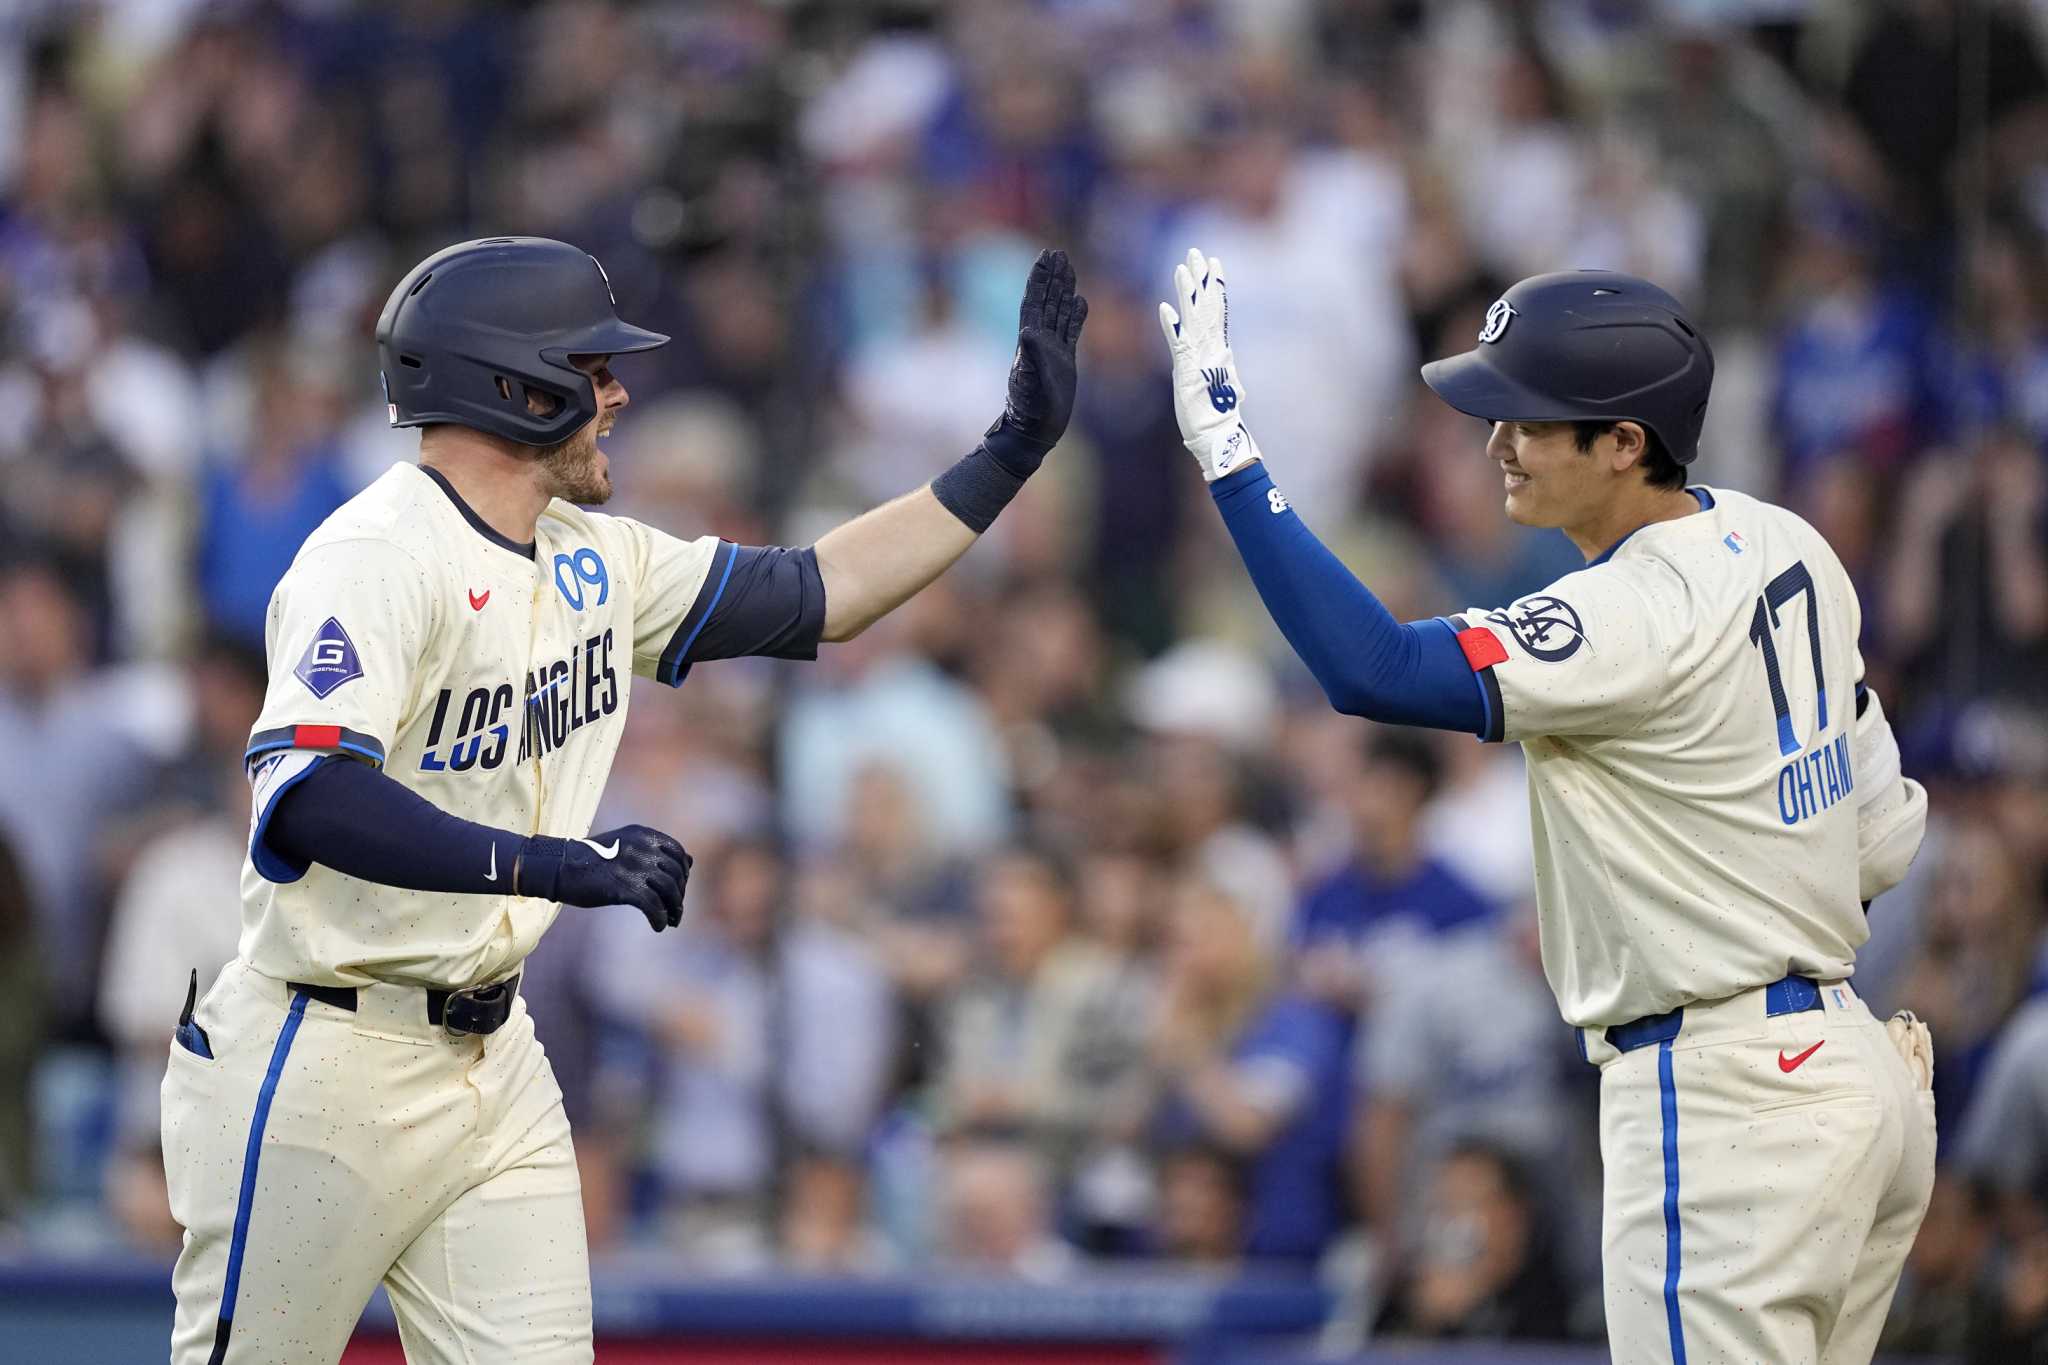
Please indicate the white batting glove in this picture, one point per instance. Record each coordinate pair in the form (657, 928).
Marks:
(1915, 1045)
(1208, 396)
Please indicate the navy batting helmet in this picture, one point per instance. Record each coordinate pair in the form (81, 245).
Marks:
(475, 326)
(1585, 345)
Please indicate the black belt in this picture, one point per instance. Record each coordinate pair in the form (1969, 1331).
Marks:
(480, 1009)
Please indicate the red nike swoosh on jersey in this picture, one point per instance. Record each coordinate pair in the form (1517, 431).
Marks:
(477, 599)
(1790, 1064)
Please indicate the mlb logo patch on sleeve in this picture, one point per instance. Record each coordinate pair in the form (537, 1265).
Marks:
(329, 661)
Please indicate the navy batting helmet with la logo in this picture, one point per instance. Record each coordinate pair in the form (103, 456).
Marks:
(1585, 346)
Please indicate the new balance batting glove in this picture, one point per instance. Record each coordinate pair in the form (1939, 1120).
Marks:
(632, 865)
(1208, 397)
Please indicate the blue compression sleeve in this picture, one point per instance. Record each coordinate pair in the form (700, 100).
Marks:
(351, 817)
(1369, 664)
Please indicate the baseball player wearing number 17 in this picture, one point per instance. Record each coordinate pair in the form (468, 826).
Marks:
(1716, 798)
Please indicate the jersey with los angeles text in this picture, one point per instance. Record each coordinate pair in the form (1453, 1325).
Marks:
(491, 678)
(1686, 703)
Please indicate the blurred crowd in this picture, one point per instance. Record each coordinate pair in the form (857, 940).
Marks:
(1056, 920)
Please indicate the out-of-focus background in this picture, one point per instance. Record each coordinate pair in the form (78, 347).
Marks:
(976, 893)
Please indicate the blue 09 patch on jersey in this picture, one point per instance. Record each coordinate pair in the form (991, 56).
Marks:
(584, 569)
(329, 661)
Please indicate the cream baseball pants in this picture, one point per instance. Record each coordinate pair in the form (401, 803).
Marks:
(1767, 1160)
(321, 1151)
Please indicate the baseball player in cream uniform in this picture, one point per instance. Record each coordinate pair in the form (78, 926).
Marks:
(1715, 799)
(360, 1098)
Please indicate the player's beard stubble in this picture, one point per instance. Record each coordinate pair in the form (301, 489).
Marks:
(577, 470)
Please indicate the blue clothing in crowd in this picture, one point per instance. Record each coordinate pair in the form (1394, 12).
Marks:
(248, 537)
(1354, 902)
(1294, 1185)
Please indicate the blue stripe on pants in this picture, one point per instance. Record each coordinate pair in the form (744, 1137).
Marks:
(249, 1159)
(1668, 1095)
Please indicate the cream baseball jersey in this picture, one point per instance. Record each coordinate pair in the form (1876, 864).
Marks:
(491, 678)
(1686, 703)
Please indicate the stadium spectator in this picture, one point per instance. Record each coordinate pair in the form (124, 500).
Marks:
(1429, 1081)
(873, 699)
(1110, 1196)
(1257, 1073)
(1947, 1292)
(1486, 1268)
(998, 1213)
(258, 505)
(1355, 925)
(23, 1019)
(1978, 958)
(1014, 1038)
(175, 924)
(62, 720)
(708, 998)
(1201, 1207)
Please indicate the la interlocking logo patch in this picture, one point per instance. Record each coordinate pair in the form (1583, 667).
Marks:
(1548, 628)
(1497, 319)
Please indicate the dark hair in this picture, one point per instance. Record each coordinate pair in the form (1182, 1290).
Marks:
(1659, 469)
(1226, 1163)
(17, 912)
(1413, 751)
(234, 655)
(1512, 1170)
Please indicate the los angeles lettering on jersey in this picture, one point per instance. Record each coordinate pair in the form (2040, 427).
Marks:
(560, 699)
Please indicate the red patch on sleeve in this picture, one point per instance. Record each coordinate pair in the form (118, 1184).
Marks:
(316, 736)
(1482, 647)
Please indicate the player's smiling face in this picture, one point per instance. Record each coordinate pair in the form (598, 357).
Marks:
(1550, 482)
(579, 470)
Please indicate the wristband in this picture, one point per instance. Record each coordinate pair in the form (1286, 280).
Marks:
(984, 480)
(539, 859)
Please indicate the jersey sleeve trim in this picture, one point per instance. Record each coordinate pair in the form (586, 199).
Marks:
(315, 737)
(270, 787)
(675, 657)
(1483, 650)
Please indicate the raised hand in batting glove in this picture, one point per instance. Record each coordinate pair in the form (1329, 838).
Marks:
(1208, 396)
(1041, 396)
(1040, 401)
(632, 865)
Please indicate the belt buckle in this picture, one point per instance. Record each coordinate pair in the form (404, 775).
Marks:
(477, 1005)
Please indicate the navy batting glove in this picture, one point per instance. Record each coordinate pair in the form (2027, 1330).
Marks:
(1040, 401)
(1042, 379)
(632, 865)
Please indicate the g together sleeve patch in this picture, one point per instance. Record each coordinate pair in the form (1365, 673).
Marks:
(329, 661)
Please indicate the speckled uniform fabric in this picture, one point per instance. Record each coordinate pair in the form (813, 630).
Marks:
(1754, 1212)
(320, 1151)
(390, 1152)
(1688, 704)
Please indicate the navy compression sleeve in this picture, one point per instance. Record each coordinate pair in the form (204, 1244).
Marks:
(773, 606)
(350, 817)
(1368, 663)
